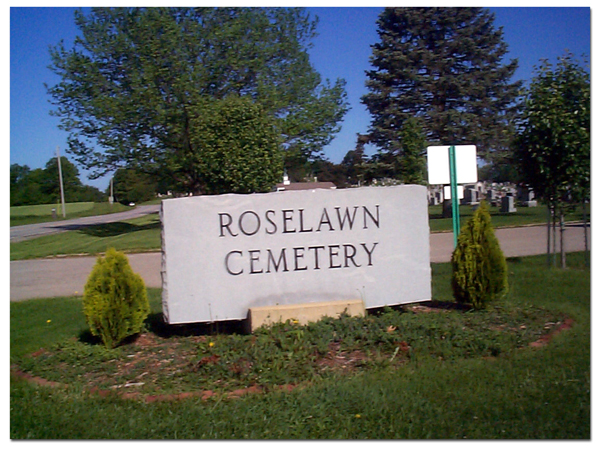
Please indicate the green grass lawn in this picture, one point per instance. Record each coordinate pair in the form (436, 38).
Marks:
(24, 215)
(135, 235)
(523, 216)
(462, 378)
(46, 210)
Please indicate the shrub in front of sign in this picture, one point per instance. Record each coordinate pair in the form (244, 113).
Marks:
(115, 302)
(479, 270)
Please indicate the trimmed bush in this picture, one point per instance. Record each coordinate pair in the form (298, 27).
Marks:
(115, 302)
(479, 271)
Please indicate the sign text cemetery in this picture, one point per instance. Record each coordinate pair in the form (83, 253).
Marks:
(225, 254)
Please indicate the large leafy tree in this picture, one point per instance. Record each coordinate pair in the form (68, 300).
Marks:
(24, 188)
(50, 181)
(553, 145)
(446, 67)
(132, 186)
(136, 77)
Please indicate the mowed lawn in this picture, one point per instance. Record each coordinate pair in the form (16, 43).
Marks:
(23, 215)
(46, 210)
(135, 235)
(537, 215)
(527, 393)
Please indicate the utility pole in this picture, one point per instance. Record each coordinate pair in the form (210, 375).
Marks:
(111, 198)
(62, 191)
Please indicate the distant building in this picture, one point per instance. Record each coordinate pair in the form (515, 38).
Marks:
(286, 185)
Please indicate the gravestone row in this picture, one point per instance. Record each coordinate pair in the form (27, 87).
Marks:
(493, 193)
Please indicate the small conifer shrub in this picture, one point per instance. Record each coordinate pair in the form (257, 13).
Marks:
(479, 270)
(115, 302)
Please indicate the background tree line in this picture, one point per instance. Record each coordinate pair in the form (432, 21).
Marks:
(42, 186)
(213, 100)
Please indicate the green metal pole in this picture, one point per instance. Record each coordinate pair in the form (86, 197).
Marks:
(454, 193)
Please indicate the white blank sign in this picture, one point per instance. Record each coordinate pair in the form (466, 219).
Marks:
(438, 164)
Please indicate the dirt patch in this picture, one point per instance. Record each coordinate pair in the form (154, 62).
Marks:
(341, 361)
(15, 371)
(556, 329)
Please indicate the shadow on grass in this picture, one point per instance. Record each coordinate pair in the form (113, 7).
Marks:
(448, 305)
(112, 229)
(156, 325)
(87, 337)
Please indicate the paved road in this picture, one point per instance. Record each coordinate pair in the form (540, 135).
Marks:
(23, 232)
(56, 277)
(519, 241)
(67, 276)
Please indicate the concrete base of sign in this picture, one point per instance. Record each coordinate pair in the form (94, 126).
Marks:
(303, 313)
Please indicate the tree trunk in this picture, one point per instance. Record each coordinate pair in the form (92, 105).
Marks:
(563, 255)
(548, 235)
(585, 234)
(554, 236)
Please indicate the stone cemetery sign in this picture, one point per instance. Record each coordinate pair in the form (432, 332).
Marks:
(225, 254)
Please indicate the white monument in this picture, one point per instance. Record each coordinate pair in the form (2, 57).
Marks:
(225, 254)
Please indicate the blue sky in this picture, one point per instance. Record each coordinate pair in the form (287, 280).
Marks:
(341, 50)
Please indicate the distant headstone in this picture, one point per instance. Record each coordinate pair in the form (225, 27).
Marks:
(435, 195)
(447, 209)
(225, 254)
(470, 196)
(526, 197)
(508, 204)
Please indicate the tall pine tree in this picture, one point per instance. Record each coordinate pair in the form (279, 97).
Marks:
(446, 67)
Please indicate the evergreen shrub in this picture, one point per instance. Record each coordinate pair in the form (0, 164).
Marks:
(115, 302)
(479, 270)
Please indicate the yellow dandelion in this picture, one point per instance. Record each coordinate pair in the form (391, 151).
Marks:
(48, 321)
(358, 416)
(211, 344)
